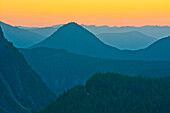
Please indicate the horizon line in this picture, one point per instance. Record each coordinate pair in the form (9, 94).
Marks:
(104, 25)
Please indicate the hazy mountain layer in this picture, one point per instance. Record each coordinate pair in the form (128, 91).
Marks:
(44, 31)
(129, 40)
(157, 32)
(19, 37)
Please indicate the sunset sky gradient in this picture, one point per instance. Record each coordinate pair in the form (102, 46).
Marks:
(90, 12)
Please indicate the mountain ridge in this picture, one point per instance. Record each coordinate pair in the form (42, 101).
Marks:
(74, 38)
(19, 37)
(23, 90)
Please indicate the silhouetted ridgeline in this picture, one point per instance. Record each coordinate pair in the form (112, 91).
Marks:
(157, 32)
(21, 89)
(19, 37)
(114, 93)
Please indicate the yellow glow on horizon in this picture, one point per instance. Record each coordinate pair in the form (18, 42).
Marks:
(98, 12)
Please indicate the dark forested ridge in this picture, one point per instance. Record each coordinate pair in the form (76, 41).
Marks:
(115, 93)
(21, 89)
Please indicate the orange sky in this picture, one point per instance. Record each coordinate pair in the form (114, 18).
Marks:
(96, 12)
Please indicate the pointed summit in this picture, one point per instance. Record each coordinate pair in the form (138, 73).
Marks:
(74, 38)
(71, 24)
(72, 28)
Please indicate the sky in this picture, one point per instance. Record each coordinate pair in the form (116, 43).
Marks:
(40, 13)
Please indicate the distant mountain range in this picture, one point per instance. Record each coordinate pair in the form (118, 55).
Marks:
(44, 31)
(74, 38)
(66, 69)
(157, 32)
(21, 89)
(22, 37)
(132, 40)
(19, 37)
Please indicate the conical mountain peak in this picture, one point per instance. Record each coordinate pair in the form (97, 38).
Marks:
(72, 31)
(72, 26)
(75, 38)
(72, 23)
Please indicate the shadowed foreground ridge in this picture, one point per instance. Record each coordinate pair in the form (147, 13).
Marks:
(114, 93)
(21, 89)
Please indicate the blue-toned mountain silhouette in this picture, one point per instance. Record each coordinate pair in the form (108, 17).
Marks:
(19, 37)
(157, 32)
(74, 38)
(128, 40)
(21, 89)
(43, 31)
